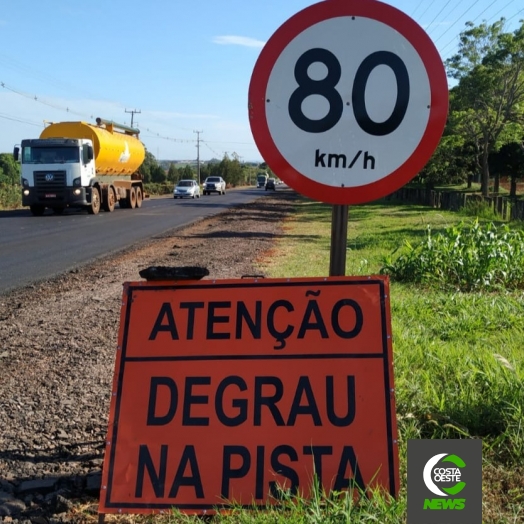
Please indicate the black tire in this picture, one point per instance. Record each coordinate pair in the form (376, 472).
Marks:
(94, 207)
(139, 197)
(37, 209)
(132, 198)
(110, 201)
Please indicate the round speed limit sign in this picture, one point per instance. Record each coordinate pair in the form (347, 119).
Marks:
(348, 101)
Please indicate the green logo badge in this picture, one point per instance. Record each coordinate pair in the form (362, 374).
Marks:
(433, 476)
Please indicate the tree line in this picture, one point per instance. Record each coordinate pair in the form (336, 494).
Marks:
(231, 169)
(484, 134)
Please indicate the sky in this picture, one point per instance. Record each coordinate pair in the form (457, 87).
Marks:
(179, 70)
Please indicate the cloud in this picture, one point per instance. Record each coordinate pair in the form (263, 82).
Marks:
(238, 40)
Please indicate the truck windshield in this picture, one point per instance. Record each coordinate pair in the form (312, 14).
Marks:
(50, 155)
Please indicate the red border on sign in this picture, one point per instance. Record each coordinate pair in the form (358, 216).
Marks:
(437, 115)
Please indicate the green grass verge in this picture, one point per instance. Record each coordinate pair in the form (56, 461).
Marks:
(458, 357)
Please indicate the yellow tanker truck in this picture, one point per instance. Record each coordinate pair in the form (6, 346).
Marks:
(76, 164)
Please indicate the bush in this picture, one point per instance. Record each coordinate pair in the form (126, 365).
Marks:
(158, 189)
(469, 258)
(479, 209)
(10, 196)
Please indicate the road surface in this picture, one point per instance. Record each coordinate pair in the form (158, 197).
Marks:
(38, 248)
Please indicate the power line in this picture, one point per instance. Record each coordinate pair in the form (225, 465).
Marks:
(22, 121)
(452, 41)
(517, 13)
(210, 148)
(457, 20)
(416, 8)
(40, 100)
(425, 10)
(445, 5)
(502, 9)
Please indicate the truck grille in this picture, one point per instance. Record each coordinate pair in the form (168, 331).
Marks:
(50, 184)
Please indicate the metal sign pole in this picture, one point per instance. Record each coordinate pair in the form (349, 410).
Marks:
(339, 236)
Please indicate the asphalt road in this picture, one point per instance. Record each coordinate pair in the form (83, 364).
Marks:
(37, 248)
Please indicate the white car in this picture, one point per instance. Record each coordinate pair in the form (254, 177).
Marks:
(214, 184)
(186, 188)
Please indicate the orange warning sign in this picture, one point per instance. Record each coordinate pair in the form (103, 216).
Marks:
(227, 391)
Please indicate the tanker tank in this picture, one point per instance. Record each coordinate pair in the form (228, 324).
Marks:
(116, 152)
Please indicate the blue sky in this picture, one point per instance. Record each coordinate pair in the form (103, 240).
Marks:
(184, 64)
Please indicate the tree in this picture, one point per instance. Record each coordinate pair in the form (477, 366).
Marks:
(488, 102)
(264, 167)
(187, 173)
(205, 171)
(509, 160)
(235, 174)
(147, 166)
(172, 173)
(451, 163)
(9, 169)
(158, 174)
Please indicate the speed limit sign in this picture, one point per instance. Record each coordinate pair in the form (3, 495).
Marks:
(348, 100)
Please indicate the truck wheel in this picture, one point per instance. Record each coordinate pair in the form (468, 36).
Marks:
(109, 203)
(94, 208)
(37, 209)
(132, 198)
(139, 197)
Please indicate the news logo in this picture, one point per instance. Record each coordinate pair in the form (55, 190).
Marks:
(444, 481)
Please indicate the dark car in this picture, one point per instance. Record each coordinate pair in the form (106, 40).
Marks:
(271, 184)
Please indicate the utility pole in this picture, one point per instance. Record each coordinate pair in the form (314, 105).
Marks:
(198, 154)
(133, 112)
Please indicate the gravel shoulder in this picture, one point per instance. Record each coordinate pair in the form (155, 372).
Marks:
(57, 350)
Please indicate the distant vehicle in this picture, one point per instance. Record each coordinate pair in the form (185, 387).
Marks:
(186, 188)
(262, 179)
(214, 184)
(271, 184)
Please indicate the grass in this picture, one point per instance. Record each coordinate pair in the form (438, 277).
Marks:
(458, 361)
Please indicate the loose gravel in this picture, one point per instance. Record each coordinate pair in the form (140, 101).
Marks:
(57, 351)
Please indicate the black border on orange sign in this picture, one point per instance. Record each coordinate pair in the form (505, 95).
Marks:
(130, 288)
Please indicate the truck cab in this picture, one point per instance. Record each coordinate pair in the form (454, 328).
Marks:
(262, 179)
(56, 173)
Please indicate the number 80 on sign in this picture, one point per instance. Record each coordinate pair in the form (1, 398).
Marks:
(348, 101)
